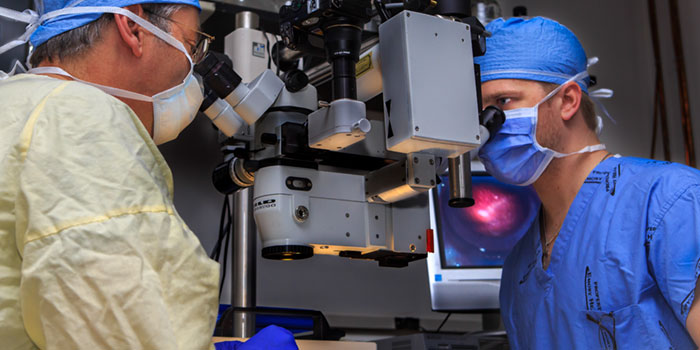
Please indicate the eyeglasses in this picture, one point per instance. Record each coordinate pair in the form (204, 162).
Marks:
(202, 47)
(203, 40)
(605, 336)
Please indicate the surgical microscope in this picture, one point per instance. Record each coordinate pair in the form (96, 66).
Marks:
(328, 179)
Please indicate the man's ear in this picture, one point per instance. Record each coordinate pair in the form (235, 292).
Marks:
(570, 100)
(131, 33)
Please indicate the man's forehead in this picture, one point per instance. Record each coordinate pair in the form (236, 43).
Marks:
(493, 88)
(188, 15)
(187, 19)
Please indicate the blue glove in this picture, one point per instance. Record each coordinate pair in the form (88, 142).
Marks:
(272, 337)
(227, 345)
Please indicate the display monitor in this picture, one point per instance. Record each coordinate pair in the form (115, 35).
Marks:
(471, 244)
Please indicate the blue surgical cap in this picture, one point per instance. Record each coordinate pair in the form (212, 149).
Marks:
(62, 24)
(537, 49)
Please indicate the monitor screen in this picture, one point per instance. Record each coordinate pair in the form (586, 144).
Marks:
(481, 236)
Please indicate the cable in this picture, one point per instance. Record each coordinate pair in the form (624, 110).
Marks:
(224, 239)
(443, 322)
(381, 10)
(215, 252)
(277, 47)
(229, 228)
(267, 48)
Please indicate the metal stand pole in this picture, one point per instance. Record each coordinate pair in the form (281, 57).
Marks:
(244, 272)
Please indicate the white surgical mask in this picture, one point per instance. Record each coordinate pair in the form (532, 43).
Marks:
(173, 109)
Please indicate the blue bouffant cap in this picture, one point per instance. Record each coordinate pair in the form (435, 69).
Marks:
(62, 24)
(537, 49)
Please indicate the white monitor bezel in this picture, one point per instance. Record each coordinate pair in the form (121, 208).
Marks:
(454, 273)
(460, 289)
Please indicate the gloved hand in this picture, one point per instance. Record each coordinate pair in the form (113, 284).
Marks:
(227, 345)
(272, 337)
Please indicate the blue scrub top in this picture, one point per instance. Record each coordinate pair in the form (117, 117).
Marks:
(623, 268)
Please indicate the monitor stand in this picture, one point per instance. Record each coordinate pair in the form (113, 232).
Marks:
(446, 341)
(491, 337)
(491, 321)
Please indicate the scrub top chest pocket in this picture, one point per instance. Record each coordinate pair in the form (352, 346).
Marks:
(625, 328)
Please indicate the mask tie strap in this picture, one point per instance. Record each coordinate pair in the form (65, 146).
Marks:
(17, 67)
(27, 16)
(33, 21)
(108, 89)
(120, 11)
(599, 94)
(590, 148)
(576, 77)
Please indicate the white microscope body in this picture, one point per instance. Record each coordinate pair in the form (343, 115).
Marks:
(330, 180)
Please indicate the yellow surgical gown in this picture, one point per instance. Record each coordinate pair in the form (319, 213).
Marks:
(93, 254)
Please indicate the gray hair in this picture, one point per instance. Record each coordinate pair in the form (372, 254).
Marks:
(76, 41)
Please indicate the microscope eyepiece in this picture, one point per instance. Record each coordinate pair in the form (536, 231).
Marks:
(217, 73)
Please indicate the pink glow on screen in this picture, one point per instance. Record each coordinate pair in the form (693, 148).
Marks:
(495, 212)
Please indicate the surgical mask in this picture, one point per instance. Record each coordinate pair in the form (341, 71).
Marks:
(173, 109)
(513, 154)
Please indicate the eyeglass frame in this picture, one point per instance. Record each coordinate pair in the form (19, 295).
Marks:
(599, 322)
(204, 38)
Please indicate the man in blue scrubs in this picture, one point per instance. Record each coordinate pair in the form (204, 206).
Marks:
(613, 260)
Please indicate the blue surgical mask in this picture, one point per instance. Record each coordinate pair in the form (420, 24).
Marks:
(513, 154)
